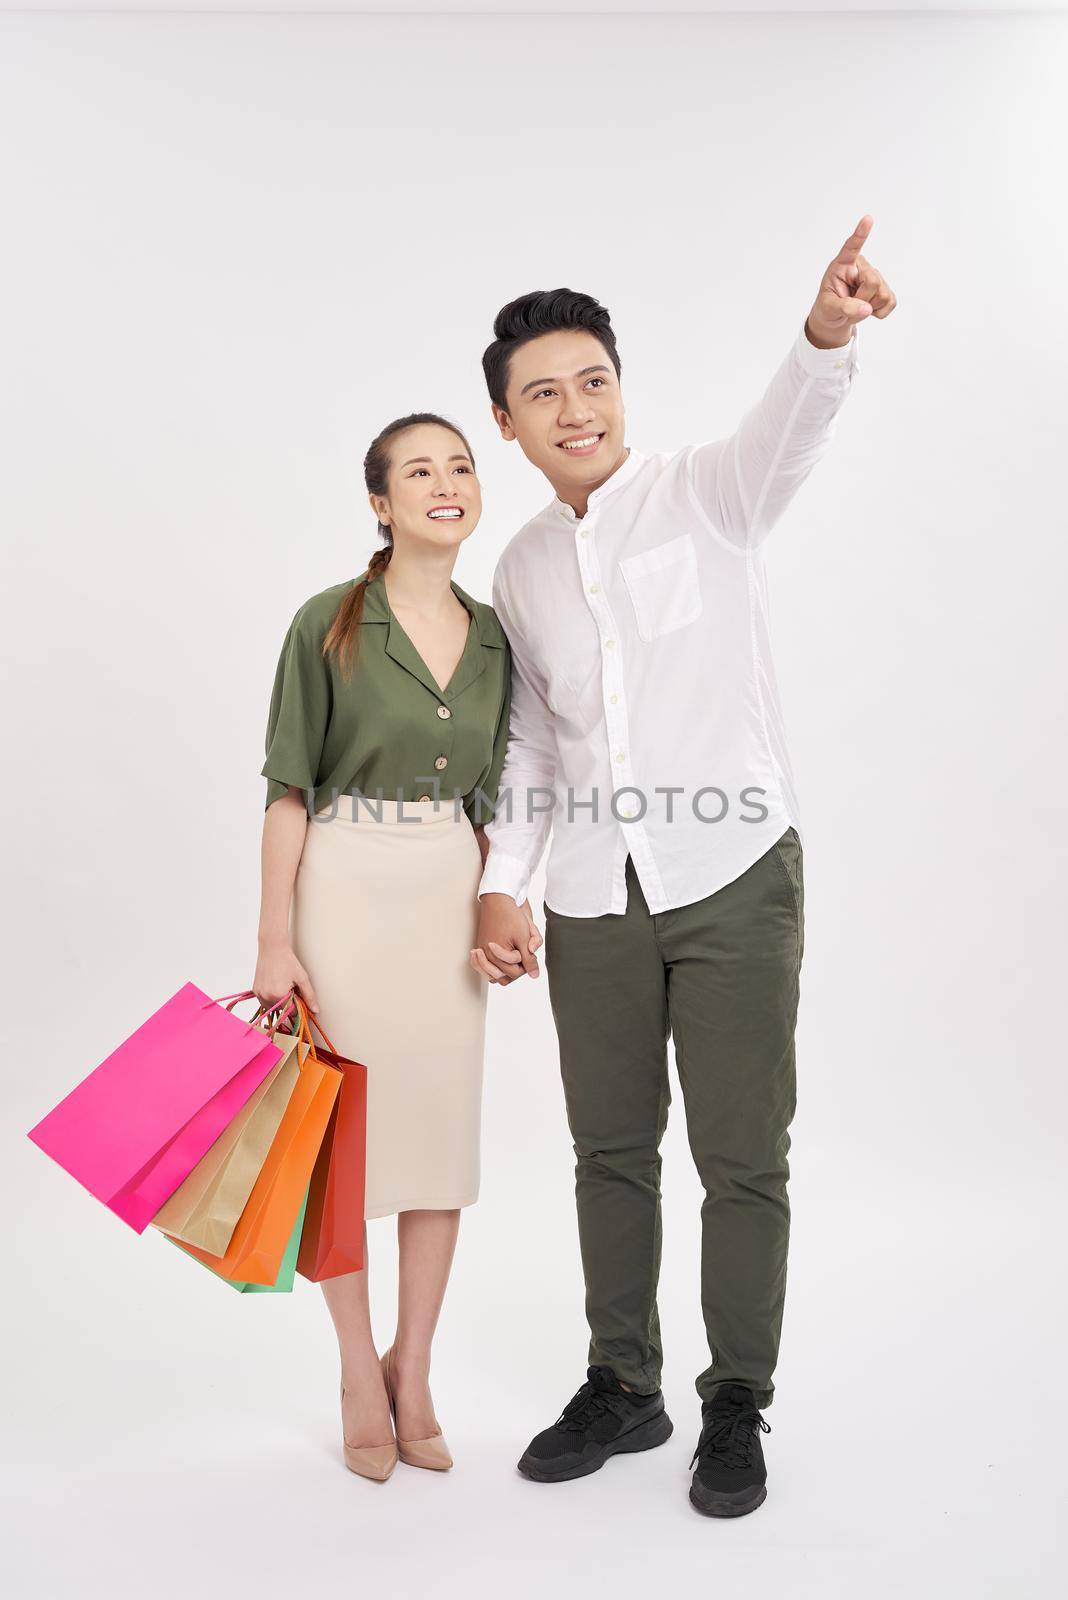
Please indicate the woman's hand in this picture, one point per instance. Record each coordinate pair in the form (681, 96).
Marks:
(277, 972)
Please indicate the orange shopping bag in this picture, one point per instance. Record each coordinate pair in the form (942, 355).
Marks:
(332, 1241)
(255, 1252)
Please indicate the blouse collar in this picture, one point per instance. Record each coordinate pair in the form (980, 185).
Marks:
(484, 631)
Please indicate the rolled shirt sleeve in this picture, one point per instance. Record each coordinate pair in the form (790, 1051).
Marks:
(299, 712)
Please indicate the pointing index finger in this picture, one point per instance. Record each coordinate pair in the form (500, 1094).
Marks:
(855, 243)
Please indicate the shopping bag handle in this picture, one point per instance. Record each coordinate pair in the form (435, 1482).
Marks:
(234, 999)
(307, 1017)
(279, 1012)
(277, 1008)
(302, 1030)
(275, 1015)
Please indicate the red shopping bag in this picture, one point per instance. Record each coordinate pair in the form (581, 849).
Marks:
(332, 1241)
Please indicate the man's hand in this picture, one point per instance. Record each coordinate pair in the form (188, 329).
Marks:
(852, 290)
(507, 940)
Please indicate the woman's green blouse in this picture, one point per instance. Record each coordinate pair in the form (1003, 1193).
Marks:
(388, 731)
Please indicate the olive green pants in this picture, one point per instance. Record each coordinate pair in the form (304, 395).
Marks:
(721, 978)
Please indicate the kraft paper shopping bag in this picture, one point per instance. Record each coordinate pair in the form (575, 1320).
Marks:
(204, 1211)
(283, 1284)
(254, 1254)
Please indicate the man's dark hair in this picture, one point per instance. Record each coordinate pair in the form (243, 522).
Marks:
(542, 311)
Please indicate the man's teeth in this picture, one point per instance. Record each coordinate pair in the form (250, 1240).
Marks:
(580, 444)
(440, 514)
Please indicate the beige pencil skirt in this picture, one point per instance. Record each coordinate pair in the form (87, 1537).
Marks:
(384, 914)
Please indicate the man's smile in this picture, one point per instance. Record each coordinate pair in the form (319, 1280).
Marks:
(581, 447)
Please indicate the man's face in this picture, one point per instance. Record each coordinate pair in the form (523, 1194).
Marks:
(565, 407)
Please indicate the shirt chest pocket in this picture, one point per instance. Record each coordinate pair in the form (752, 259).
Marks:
(663, 587)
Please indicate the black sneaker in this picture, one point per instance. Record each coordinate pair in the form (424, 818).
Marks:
(602, 1420)
(731, 1477)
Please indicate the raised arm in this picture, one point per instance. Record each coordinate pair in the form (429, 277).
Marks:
(742, 484)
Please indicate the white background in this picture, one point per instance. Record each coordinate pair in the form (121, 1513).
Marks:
(234, 248)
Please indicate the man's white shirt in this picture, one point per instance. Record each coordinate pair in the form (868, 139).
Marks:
(645, 717)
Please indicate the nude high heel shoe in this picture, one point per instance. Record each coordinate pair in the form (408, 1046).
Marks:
(433, 1452)
(369, 1460)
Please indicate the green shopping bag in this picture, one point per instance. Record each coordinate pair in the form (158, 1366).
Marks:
(283, 1284)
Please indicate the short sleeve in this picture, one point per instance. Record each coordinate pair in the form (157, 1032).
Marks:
(299, 713)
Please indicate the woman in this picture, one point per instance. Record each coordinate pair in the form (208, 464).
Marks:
(393, 686)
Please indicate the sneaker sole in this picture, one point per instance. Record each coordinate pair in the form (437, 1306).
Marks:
(645, 1437)
(725, 1506)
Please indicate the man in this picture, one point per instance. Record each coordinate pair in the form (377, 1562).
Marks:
(646, 731)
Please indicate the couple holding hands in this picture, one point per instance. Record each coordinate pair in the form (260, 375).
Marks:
(619, 691)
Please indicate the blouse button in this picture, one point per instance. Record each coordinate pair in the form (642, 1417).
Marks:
(441, 763)
(443, 712)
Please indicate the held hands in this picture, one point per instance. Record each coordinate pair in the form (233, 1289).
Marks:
(507, 940)
(852, 291)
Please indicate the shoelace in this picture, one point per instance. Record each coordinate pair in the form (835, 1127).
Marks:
(727, 1437)
(594, 1399)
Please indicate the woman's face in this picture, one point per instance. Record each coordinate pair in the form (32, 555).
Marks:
(433, 495)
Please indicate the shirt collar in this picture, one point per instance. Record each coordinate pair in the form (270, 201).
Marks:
(399, 647)
(623, 474)
(487, 628)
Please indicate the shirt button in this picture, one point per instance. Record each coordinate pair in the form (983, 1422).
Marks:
(584, 533)
(610, 643)
(839, 363)
(443, 712)
(441, 763)
(595, 588)
(620, 756)
(615, 699)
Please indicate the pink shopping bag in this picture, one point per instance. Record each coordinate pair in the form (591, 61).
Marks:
(135, 1128)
